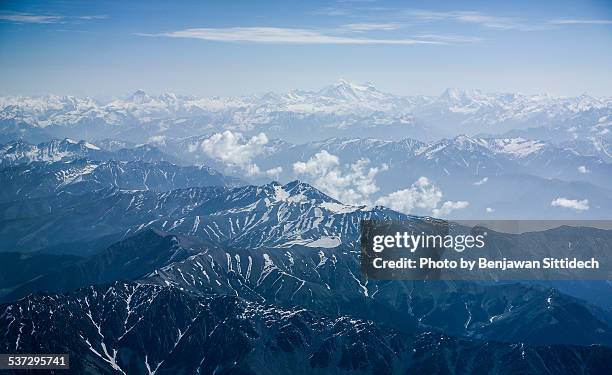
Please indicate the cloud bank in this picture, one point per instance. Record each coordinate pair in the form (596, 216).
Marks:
(355, 184)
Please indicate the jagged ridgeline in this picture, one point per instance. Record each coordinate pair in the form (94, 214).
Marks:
(135, 264)
(302, 115)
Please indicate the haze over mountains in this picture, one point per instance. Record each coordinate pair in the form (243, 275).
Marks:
(300, 116)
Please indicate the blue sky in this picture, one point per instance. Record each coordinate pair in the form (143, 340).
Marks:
(111, 48)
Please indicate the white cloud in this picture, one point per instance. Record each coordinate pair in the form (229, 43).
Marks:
(371, 26)
(252, 170)
(281, 36)
(480, 182)
(448, 207)
(478, 18)
(351, 184)
(235, 149)
(489, 210)
(274, 172)
(96, 17)
(421, 194)
(499, 22)
(566, 21)
(319, 164)
(30, 18)
(355, 184)
(46, 18)
(583, 169)
(575, 204)
(331, 11)
(450, 38)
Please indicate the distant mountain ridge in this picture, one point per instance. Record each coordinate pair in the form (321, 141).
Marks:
(360, 107)
(83, 176)
(22, 152)
(251, 215)
(486, 172)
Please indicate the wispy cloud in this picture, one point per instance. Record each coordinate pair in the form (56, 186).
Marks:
(477, 18)
(356, 1)
(400, 16)
(46, 18)
(403, 15)
(275, 35)
(568, 21)
(30, 18)
(371, 26)
(332, 12)
(91, 18)
(450, 38)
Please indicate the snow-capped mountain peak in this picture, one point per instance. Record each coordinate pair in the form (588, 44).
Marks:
(320, 114)
(517, 147)
(21, 152)
(139, 97)
(349, 91)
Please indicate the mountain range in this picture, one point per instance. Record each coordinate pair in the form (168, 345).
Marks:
(486, 174)
(281, 279)
(361, 109)
(135, 328)
(168, 234)
(499, 178)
